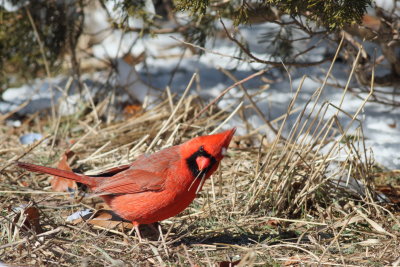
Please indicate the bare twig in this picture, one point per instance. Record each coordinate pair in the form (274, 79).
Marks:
(215, 100)
(267, 62)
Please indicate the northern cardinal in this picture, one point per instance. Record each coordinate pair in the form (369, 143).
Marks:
(154, 187)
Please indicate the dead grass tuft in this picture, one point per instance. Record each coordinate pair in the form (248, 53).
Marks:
(306, 198)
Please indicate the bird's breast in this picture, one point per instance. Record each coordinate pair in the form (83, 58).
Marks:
(154, 206)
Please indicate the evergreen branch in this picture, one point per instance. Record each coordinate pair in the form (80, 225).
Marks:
(153, 31)
(268, 62)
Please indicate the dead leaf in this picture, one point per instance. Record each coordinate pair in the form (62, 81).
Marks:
(370, 242)
(24, 183)
(341, 223)
(391, 192)
(228, 263)
(295, 260)
(31, 220)
(273, 223)
(377, 227)
(372, 22)
(134, 60)
(104, 218)
(132, 109)
(60, 184)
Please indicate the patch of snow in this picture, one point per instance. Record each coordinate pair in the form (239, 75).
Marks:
(30, 138)
(12, 7)
(385, 4)
(166, 66)
(69, 105)
(13, 123)
(78, 215)
(130, 80)
(114, 45)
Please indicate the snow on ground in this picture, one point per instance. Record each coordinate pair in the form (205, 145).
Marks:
(163, 67)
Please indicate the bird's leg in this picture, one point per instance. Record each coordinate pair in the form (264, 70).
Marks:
(137, 230)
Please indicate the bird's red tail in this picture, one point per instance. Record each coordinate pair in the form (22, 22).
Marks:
(81, 178)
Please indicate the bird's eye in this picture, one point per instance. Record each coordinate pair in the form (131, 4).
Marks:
(201, 149)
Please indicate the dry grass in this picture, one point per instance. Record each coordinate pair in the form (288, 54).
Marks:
(270, 204)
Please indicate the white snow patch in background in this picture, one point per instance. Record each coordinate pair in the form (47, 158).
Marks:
(10, 7)
(380, 123)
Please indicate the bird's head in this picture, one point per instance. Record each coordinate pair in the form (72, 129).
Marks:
(203, 154)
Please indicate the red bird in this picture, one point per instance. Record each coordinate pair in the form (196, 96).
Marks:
(154, 187)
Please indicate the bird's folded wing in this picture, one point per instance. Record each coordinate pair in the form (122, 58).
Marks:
(112, 171)
(159, 161)
(131, 182)
(147, 173)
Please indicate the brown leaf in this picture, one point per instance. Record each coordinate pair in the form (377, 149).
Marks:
(24, 183)
(372, 22)
(273, 223)
(392, 125)
(228, 263)
(60, 184)
(107, 219)
(295, 260)
(133, 60)
(392, 192)
(104, 218)
(31, 220)
(132, 109)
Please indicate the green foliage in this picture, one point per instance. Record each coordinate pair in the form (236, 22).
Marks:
(241, 15)
(133, 8)
(203, 27)
(279, 43)
(58, 25)
(194, 6)
(329, 13)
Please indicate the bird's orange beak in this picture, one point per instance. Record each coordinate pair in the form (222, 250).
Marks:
(228, 136)
(226, 139)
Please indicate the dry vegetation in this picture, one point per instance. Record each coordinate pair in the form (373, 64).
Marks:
(294, 201)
